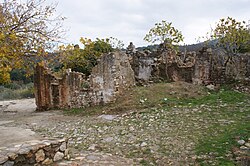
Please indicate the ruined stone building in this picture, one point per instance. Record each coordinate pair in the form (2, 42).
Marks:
(111, 76)
(118, 71)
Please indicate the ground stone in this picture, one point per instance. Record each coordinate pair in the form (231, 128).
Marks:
(247, 145)
(243, 148)
(241, 142)
(3, 159)
(47, 161)
(92, 147)
(210, 87)
(9, 163)
(108, 117)
(93, 157)
(143, 144)
(108, 139)
(63, 147)
(58, 156)
(40, 156)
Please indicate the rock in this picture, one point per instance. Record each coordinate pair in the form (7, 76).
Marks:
(9, 163)
(107, 117)
(24, 151)
(143, 144)
(93, 157)
(247, 145)
(131, 128)
(244, 148)
(210, 87)
(108, 139)
(58, 156)
(40, 156)
(47, 161)
(12, 156)
(92, 147)
(241, 142)
(63, 147)
(66, 154)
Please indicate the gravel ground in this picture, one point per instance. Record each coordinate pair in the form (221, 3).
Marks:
(153, 136)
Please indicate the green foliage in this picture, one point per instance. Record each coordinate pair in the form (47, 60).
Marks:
(21, 76)
(27, 29)
(83, 60)
(232, 35)
(165, 33)
(4, 76)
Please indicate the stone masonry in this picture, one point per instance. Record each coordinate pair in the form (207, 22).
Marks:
(203, 67)
(116, 72)
(36, 152)
(162, 65)
(110, 77)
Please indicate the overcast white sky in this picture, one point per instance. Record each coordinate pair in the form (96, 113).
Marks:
(130, 20)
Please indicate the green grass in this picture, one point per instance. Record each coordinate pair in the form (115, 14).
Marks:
(221, 145)
(215, 98)
(237, 109)
(213, 137)
(153, 96)
(96, 110)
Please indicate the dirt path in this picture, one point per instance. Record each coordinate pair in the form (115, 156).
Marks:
(97, 140)
(9, 110)
(20, 122)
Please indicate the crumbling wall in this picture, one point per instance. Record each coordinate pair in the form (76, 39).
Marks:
(203, 67)
(236, 69)
(143, 66)
(162, 65)
(112, 75)
(117, 71)
(56, 92)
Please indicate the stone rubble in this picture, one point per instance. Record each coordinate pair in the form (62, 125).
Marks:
(36, 152)
(242, 153)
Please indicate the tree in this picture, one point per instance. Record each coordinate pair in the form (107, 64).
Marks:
(83, 60)
(27, 31)
(231, 35)
(165, 33)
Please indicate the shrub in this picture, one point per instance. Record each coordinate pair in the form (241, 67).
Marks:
(16, 91)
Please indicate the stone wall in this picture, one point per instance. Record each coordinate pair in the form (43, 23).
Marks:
(203, 67)
(115, 72)
(55, 92)
(110, 77)
(163, 65)
(36, 152)
(237, 69)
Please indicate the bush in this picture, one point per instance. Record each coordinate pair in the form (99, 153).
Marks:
(8, 94)
(13, 86)
(27, 93)
(16, 91)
